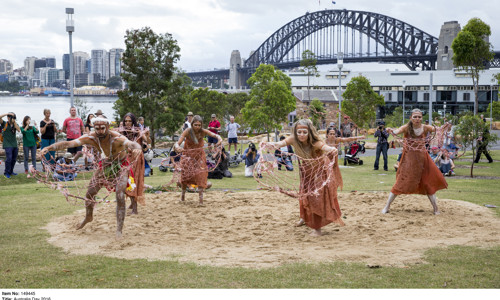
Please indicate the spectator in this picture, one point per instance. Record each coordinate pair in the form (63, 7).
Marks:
(214, 127)
(65, 168)
(9, 129)
(73, 127)
(283, 156)
(99, 114)
(483, 145)
(232, 134)
(29, 142)
(346, 127)
(382, 145)
(251, 156)
(140, 122)
(445, 163)
(187, 123)
(88, 124)
(48, 129)
(434, 153)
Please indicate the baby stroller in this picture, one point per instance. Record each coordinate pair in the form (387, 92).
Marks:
(352, 152)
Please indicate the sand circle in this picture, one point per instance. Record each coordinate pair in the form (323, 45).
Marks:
(256, 229)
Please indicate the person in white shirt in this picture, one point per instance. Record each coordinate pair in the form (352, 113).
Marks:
(232, 134)
(189, 119)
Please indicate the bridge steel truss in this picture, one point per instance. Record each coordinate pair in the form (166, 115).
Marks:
(326, 33)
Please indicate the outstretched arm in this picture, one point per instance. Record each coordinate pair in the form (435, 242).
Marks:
(400, 130)
(351, 139)
(64, 145)
(209, 133)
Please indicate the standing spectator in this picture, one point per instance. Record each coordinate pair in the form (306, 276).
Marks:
(99, 114)
(29, 142)
(65, 169)
(73, 127)
(483, 145)
(232, 134)
(346, 127)
(214, 127)
(48, 129)
(88, 124)
(382, 145)
(9, 129)
(187, 123)
(283, 156)
(251, 156)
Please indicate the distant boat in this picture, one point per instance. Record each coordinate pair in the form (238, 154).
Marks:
(27, 95)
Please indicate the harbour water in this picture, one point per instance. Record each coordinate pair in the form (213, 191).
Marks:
(59, 106)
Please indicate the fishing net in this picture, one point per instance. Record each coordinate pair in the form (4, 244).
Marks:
(74, 180)
(312, 174)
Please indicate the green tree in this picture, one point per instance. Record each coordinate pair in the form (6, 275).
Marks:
(395, 119)
(114, 82)
(156, 90)
(271, 99)
(235, 102)
(469, 130)
(12, 87)
(496, 111)
(205, 102)
(308, 64)
(316, 112)
(472, 51)
(360, 101)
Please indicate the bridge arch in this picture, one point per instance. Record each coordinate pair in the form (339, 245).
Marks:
(401, 42)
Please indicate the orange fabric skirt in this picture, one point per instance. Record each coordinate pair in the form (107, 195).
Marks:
(418, 174)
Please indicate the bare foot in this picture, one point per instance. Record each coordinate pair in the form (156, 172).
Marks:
(85, 221)
(118, 235)
(437, 212)
(385, 210)
(201, 203)
(316, 232)
(300, 223)
(132, 212)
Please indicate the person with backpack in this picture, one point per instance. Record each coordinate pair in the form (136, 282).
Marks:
(30, 134)
(9, 142)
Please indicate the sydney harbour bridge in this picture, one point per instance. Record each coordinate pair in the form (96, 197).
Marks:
(360, 36)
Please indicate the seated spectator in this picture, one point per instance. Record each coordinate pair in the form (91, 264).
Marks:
(251, 156)
(65, 168)
(283, 156)
(445, 164)
(434, 153)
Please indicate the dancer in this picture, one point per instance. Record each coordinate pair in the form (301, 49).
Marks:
(116, 155)
(333, 140)
(133, 132)
(320, 209)
(417, 173)
(193, 160)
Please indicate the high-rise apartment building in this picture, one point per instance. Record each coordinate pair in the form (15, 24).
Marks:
(80, 62)
(115, 58)
(65, 60)
(50, 62)
(100, 64)
(29, 66)
(5, 66)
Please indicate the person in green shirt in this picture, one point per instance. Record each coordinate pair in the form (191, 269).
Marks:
(9, 129)
(29, 142)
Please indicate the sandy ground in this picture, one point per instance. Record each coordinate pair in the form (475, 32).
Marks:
(256, 229)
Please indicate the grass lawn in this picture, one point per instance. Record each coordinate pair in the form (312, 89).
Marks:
(29, 261)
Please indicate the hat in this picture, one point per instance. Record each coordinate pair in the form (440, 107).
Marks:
(99, 112)
(190, 114)
(68, 155)
(434, 148)
(213, 115)
(251, 145)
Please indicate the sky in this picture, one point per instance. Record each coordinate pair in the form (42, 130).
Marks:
(207, 31)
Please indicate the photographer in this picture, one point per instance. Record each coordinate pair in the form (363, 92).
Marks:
(251, 156)
(9, 129)
(382, 145)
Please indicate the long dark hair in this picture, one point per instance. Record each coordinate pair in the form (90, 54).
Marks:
(25, 119)
(88, 120)
(132, 134)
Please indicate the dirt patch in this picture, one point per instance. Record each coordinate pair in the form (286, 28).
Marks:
(255, 229)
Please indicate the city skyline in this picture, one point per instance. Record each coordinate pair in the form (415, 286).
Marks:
(232, 25)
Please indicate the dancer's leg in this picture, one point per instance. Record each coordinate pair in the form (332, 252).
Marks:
(433, 200)
(389, 201)
(200, 193)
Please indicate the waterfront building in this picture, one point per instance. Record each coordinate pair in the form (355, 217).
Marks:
(29, 66)
(5, 66)
(100, 65)
(115, 58)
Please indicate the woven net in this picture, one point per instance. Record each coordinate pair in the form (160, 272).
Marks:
(312, 174)
(74, 180)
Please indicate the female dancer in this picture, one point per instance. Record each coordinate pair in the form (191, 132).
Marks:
(323, 208)
(417, 173)
(193, 159)
(132, 131)
(333, 140)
